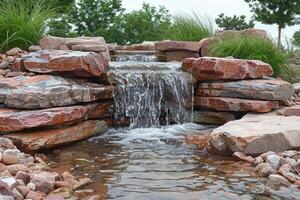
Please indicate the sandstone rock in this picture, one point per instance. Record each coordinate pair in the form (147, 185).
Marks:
(233, 104)
(35, 195)
(73, 63)
(23, 190)
(25, 177)
(5, 190)
(4, 65)
(81, 183)
(177, 46)
(297, 167)
(13, 51)
(278, 179)
(297, 87)
(14, 169)
(2, 167)
(264, 89)
(92, 197)
(290, 111)
(83, 193)
(34, 48)
(284, 168)
(179, 56)
(211, 68)
(20, 182)
(50, 42)
(68, 177)
(266, 154)
(54, 197)
(17, 194)
(258, 160)
(265, 169)
(6, 144)
(64, 47)
(16, 120)
(65, 192)
(187, 63)
(9, 181)
(59, 184)
(206, 44)
(44, 181)
(258, 133)
(211, 117)
(274, 161)
(46, 91)
(243, 157)
(140, 47)
(11, 156)
(31, 186)
(289, 176)
(89, 47)
(46, 139)
(290, 153)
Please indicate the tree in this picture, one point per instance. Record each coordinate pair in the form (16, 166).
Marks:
(296, 38)
(234, 23)
(281, 12)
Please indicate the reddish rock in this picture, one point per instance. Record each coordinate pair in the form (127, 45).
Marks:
(243, 157)
(51, 42)
(25, 177)
(16, 120)
(59, 184)
(14, 169)
(187, 64)
(140, 47)
(35, 195)
(46, 91)
(89, 47)
(72, 63)
(210, 117)
(23, 190)
(46, 139)
(232, 104)
(261, 89)
(210, 68)
(54, 197)
(177, 46)
(251, 32)
(4, 190)
(290, 111)
(44, 181)
(179, 56)
(206, 44)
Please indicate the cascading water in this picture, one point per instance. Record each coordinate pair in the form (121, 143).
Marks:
(151, 93)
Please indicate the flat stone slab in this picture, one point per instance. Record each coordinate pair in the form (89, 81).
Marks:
(290, 111)
(16, 120)
(47, 91)
(258, 133)
(177, 46)
(261, 89)
(211, 68)
(65, 62)
(210, 117)
(233, 104)
(46, 139)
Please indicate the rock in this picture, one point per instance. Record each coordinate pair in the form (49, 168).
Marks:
(258, 160)
(2, 166)
(285, 167)
(5, 190)
(35, 195)
(65, 192)
(46, 139)
(179, 56)
(260, 89)
(81, 183)
(17, 194)
(31, 186)
(211, 68)
(64, 47)
(233, 104)
(92, 197)
(274, 161)
(59, 184)
(14, 169)
(177, 46)
(187, 63)
(11, 156)
(23, 190)
(6, 144)
(278, 179)
(4, 65)
(54, 197)
(20, 182)
(297, 167)
(290, 111)
(89, 47)
(13, 51)
(50, 42)
(206, 44)
(290, 153)
(68, 177)
(140, 47)
(266, 154)
(72, 63)
(297, 87)
(83, 193)
(243, 157)
(5, 173)
(289, 161)
(290, 176)
(44, 181)
(34, 48)
(9, 181)
(16, 120)
(210, 117)
(46, 91)
(258, 133)
(251, 32)
(265, 169)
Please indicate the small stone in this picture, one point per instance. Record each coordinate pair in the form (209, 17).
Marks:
(14, 169)
(274, 161)
(4, 65)
(285, 167)
(6, 144)
(2, 72)
(258, 160)
(65, 192)
(4, 197)
(290, 153)
(297, 167)
(289, 176)
(11, 156)
(25, 177)
(83, 193)
(289, 161)
(264, 155)
(243, 157)
(2, 167)
(17, 194)
(92, 197)
(59, 184)
(31, 186)
(34, 48)
(20, 182)
(35, 195)
(4, 189)
(5, 173)
(265, 169)
(23, 190)
(13, 51)
(43, 181)
(9, 181)
(278, 179)
(67, 176)
(54, 197)
(81, 183)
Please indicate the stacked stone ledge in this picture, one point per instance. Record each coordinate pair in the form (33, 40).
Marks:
(229, 88)
(63, 101)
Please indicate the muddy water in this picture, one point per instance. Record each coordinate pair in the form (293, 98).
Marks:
(159, 164)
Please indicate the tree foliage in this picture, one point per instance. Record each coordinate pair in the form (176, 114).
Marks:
(296, 38)
(281, 12)
(234, 23)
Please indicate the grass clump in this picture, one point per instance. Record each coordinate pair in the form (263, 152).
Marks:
(255, 48)
(23, 22)
(189, 28)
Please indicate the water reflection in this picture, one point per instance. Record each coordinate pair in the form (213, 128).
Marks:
(159, 164)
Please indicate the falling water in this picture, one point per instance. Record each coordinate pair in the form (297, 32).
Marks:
(150, 94)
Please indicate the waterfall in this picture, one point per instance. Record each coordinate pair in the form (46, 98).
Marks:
(136, 56)
(151, 93)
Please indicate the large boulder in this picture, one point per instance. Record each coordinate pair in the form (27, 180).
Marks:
(177, 46)
(211, 68)
(262, 89)
(68, 63)
(16, 120)
(47, 91)
(258, 133)
(251, 32)
(233, 104)
(46, 139)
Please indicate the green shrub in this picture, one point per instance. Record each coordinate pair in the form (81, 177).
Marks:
(22, 22)
(256, 48)
(189, 28)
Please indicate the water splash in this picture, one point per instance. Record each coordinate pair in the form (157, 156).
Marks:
(154, 95)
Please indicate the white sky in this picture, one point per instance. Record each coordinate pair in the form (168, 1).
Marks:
(210, 8)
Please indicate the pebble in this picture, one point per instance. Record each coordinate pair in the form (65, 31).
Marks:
(35, 195)
(25, 177)
(297, 167)
(4, 65)
(243, 157)
(264, 155)
(258, 160)
(31, 186)
(11, 156)
(65, 192)
(9, 181)
(81, 183)
(265, 169)
(14, 169)
(274, 161)
(278, 179)
(34, 48)
(92, 197)
(23, 190)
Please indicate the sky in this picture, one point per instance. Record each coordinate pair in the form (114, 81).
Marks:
(211, 8)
